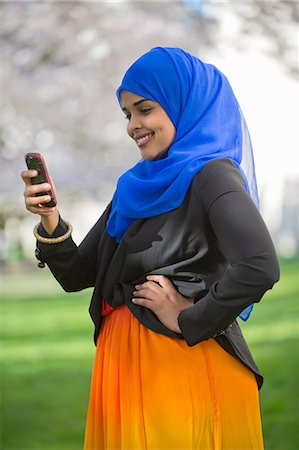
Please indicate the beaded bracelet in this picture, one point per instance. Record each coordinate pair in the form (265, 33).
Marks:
(56, 240)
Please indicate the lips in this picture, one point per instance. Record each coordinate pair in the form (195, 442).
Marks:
(142, 139)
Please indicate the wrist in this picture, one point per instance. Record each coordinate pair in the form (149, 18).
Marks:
(50, 222)
(54, 239)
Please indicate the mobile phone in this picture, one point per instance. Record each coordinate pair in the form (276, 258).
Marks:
(35, 161)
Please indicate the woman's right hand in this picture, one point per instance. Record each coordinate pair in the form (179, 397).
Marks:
(35, 204)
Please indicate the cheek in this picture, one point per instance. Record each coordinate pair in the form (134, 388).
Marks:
(168, 131)
(170, 134)
(128, 129)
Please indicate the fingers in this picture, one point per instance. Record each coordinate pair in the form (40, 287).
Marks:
(145, 294)
(33, 189)
(161, 279)
(31, 197)
(152, 288)
(149, 294)
(27, 175)
(33, 202)
(144, 302)
(149, 285)
(37, 195)
(37, 205)
(41, 210)
(36, 201)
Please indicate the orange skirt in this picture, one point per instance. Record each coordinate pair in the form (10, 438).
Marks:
(153, 392)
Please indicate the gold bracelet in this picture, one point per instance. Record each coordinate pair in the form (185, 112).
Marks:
(56, 240)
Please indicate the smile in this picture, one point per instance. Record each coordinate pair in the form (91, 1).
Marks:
(143, 140)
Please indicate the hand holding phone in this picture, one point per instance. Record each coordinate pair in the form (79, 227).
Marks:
(35, 161)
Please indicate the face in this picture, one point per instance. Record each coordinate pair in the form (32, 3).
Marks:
(148, 125)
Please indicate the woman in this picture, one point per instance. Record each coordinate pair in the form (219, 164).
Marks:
(178, 255)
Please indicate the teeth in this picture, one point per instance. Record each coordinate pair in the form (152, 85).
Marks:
(144, 138)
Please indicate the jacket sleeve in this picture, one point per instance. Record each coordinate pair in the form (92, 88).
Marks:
(245, 242)
(73, 266)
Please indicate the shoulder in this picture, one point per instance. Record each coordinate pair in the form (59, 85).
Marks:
(216, 178)
(220, 170)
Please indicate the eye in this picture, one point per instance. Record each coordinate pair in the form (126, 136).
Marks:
(145, 110)
(127, 116)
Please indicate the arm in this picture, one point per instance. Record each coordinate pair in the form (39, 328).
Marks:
(245, 242)
(73, 266)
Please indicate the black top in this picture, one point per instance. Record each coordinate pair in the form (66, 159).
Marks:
(215, 248)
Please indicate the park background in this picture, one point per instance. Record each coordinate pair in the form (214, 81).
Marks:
(61, 62)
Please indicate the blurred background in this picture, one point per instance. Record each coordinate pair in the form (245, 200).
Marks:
(61, 63)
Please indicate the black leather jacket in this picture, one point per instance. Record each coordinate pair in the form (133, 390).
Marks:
(215, 248)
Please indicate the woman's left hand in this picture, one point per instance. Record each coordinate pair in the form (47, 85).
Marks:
(160, 296)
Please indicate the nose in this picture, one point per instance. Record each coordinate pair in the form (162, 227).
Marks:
(133, 124)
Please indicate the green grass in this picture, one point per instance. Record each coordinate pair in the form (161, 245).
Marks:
(273, 336)
(47, 355)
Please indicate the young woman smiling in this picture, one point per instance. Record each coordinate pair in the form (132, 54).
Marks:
(148, 125)
(179, 254)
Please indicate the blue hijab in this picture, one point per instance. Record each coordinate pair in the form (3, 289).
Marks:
(209, 124)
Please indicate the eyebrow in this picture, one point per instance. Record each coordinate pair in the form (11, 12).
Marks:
(137, 103)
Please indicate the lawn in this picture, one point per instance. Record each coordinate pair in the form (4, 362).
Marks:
(47, 355)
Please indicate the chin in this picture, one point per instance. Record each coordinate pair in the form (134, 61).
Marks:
(148, 158)
(153, 157)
